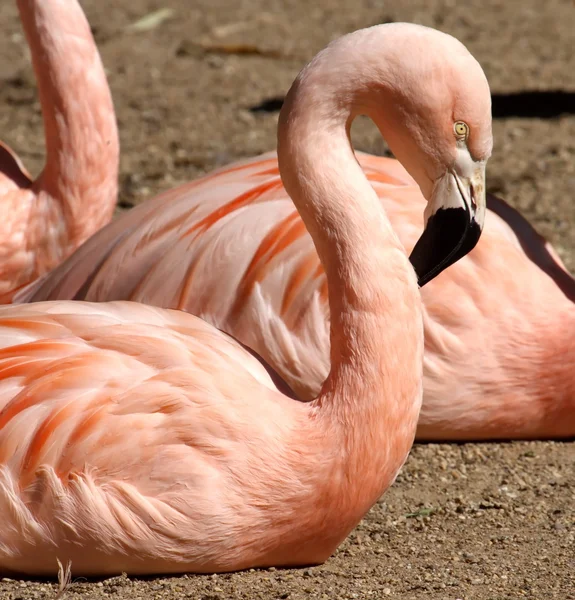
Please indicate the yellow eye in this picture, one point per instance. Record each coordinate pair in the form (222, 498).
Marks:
(461, 130)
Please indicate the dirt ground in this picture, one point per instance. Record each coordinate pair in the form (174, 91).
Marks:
(469, 522)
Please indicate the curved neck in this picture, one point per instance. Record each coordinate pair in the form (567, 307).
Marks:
(372, 395)
(82, 147)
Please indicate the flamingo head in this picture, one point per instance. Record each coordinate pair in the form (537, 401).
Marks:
(434, 109)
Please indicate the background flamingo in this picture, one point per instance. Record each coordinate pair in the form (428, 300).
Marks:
(44, 220)
(143, 440)
(231, 248)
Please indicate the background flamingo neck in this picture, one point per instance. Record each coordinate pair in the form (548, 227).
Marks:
(372, 395)
(82, 147)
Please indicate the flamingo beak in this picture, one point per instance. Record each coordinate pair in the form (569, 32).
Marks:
(454, 220)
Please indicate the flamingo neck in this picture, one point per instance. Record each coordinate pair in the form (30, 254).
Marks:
(372, 396)
(82, 146)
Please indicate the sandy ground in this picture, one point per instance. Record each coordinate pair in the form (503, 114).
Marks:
(474, 521)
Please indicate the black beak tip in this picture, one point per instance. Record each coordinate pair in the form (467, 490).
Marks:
(450, 234)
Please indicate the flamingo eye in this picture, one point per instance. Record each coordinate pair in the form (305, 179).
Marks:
(461, 130)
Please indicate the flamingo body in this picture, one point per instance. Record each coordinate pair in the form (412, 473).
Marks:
(230, 248)
(177, 487)
(139, 439)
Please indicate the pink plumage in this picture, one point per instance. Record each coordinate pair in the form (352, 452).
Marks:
(230, 248)
(139, 439)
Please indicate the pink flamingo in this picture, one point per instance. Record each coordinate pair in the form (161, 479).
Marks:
(139, 439)
(45, 220)
(230, 248)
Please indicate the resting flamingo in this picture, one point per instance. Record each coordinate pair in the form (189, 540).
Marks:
(45, 220)
(140, 439)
